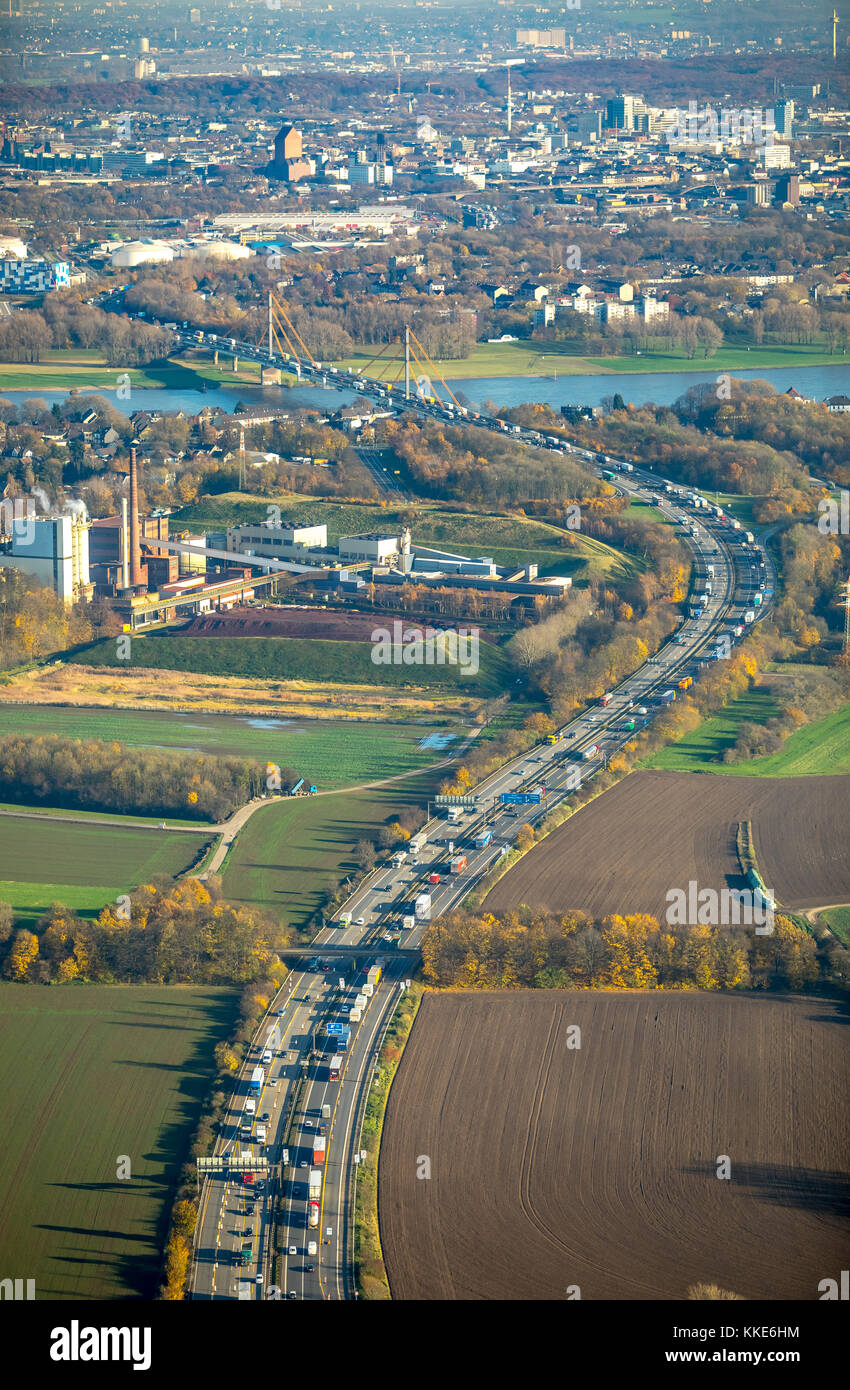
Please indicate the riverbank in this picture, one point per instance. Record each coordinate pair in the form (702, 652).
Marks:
(75, 369)
(526, 359)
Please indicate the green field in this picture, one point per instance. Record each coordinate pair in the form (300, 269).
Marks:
(535, 359)
(287, 854)
(332, 753)
(816, 750)
(68, 368)
(42, 860)
(90, 1073)
(299, 658)
(838, 919)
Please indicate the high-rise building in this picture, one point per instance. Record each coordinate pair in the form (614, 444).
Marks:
(289, 162)
(619, 113)
(788, 189)
(783, 120)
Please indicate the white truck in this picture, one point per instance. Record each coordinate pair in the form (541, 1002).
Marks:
(417, 843)
(408, 923)
(261, 1134)
(454, 813)
(422, 907)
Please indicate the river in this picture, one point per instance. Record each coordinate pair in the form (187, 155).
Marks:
(662, 388)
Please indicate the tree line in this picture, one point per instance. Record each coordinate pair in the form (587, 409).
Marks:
(542, 950)
(169, 932)
(91, 774)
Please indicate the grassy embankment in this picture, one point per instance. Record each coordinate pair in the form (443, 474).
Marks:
(509, 540)
(371, 1271)
(816, 750)
(290, 853)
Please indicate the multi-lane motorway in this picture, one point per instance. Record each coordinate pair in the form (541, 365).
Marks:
(300, 1099)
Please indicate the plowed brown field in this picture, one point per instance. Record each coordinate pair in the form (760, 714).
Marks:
(596, 1167)
(657, 830)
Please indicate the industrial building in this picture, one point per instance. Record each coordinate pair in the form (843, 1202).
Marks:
(384, 557)
(53, 549)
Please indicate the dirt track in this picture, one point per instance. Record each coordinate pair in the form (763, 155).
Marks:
(657, 830)
(554, 1167)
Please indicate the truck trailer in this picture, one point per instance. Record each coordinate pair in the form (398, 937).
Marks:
(457, 863)
(482, 841)
(320, 1145)
(422, 907)
(258, 1080)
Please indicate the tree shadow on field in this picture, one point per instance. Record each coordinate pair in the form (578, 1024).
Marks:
(825, 1191)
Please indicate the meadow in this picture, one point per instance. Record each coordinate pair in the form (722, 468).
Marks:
(83, 865)
(332, 753)
(289, 853)
(90, 1074)
(819, 749)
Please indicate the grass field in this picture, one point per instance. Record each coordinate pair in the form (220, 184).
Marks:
(90, 1073)
(838, 919)
(333, 754)
(817, 750)
(287, 854)
(526, 358)
(297, 658)
(40, 861)
(66, 368)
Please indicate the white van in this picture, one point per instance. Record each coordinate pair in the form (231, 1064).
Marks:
(250, 1106)
(267, 1056)
(312, 1248)
(261, 1134)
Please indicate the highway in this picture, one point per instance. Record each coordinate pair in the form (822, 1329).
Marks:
(299, 1096)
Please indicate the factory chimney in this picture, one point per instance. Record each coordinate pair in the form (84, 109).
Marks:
(125, 545)
(136, 578)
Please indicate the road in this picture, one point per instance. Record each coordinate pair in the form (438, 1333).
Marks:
(299, 1094)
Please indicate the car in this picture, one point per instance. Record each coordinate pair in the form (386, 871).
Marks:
(303, 1163)
(293, 1249)
(292, 1294)
(249, 1230)
(308, 1124)
(360, 922)
(310, 1269)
